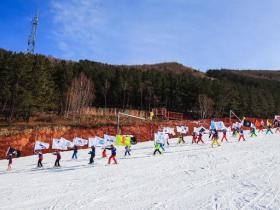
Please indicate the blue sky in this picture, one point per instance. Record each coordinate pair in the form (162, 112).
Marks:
(239, 34)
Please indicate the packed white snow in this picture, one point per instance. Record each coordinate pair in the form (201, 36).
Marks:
(244, 175)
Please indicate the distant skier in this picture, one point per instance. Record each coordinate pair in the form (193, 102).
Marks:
(157, 148)
(104, 155)
(10, 161)
(181, 140)
(241, 135)
(162, 146)
(58, 157)
(113, 154)
(127, 150)
(277, 125)
(92, 155)
(234, 132)
(194, 136)
(253, 131)
(40, 159)
(215, 138)
(75, 151)
(261, 126)
(268, 128)
(224, 135)
(199, 139)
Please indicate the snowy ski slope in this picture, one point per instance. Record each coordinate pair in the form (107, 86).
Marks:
(243, 175)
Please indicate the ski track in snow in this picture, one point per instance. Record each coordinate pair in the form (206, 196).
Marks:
(236, 175)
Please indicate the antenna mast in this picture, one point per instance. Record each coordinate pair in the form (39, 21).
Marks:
(32, 36)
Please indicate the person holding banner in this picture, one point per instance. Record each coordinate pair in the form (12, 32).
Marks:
(253, 131)
(92, 155)
(40, 159)
(261, 127)
(127, 150)
(199, 139)
(113, 154)
(194, 136)
(277, 125)
(181, 140)
(157, 148)
(104, 155)
(224, 135)
(215, 139)
(10, 161)
(268, 128)
(241, 135)
(75, 151)
(58, 157)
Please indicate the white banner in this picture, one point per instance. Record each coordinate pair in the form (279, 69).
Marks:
(217, 125)
(41, 145)
(182, 129)
(109, 140)
(236, 125)
(200, 129)
(59, 144)
(161, 137)
(67, 143)
(79, 141)
(169, 130)
(96, 141)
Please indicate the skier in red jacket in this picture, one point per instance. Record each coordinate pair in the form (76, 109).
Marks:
(194, 137)
(58, 157)
(199, 139)
(40, 159)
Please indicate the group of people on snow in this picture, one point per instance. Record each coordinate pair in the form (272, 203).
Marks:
(197, 137)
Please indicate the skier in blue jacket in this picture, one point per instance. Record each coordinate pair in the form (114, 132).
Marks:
(92, 155)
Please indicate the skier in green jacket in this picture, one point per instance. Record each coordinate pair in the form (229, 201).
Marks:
(157, 148)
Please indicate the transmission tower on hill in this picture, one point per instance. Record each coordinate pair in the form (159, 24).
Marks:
(32, 36)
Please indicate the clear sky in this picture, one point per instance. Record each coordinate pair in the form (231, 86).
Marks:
(204, 34)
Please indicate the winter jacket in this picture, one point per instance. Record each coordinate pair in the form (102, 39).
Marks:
(113, 151)
(40, 156)
(157, 146)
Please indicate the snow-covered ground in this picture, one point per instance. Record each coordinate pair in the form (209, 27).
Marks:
(243, 175)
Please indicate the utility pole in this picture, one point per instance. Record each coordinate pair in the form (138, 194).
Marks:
(32, 36)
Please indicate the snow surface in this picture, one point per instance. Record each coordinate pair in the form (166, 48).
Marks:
(243, 175)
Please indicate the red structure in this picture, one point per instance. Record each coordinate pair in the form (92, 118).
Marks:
(164, 113)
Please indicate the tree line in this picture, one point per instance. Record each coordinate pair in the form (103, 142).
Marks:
(37, 83)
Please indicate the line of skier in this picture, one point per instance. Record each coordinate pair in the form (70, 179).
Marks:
(197, 137)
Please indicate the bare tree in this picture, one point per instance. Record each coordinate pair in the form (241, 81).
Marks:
(124, 86)
(80, 95)
(105, 90)
(205, 106)
(141, 90)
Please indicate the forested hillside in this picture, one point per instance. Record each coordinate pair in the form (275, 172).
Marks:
(36, 83)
